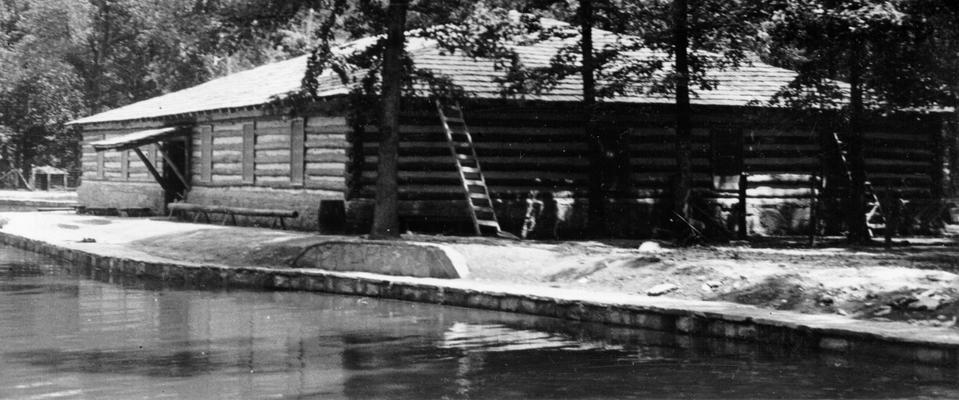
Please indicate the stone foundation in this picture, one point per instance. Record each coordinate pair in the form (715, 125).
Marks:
(120, 195)
(305, 202)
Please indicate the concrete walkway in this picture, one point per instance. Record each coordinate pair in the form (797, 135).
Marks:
(30, 200)
(128, 246)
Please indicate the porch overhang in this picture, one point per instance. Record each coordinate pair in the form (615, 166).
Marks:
(139, 138)
(133, 141)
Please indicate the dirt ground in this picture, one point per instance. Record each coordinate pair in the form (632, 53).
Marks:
(914, 280)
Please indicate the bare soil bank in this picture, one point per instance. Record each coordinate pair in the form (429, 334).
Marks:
(915, 281)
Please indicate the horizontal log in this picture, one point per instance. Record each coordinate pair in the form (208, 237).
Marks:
(271, 159)
(902, 176)
(325, 135)
(326, 165)
(490, 160)
(273, 166)
(897, 163)
(788, 177)
(898, 153)
(908, 137)
(478, 129)
(780, 161)
(221, 141)
(327, 157)
(782, 148)
(272, 124)
(327, 143)
(285, 152)
(227, 157)
(325, 121)
(251, 212)
(326, 183)
(260, 147)
(228, 169)
(490, 175)
(779, 133)
(218, 147)
(325, 172)
(272, 138)
(228, 134)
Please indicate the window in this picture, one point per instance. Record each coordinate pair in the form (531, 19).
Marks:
(727, 158)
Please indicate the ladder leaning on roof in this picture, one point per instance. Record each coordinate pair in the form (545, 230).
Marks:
(460, 143)
(875, 207)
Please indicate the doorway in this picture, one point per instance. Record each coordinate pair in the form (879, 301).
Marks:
(175, 169)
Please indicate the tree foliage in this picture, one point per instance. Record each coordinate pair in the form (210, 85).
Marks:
(63, 59)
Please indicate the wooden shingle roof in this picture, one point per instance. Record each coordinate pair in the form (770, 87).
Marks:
(747, 85)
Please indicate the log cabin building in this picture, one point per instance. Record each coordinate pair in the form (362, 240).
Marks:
(248, 140)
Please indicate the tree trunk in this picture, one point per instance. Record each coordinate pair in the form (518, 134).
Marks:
(952, 140)
(597, 152)
(683, 183)
(856, 199)
(386, 221)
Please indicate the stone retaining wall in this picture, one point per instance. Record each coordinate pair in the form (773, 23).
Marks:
(460, 293)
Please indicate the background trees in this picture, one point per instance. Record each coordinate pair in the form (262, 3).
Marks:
(60, 60)
(883, 49)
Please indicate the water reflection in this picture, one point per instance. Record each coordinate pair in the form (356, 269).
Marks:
(63, 335)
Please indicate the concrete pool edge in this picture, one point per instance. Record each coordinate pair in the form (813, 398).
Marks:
(937, 346)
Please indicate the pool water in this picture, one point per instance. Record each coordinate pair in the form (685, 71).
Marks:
(67, 335)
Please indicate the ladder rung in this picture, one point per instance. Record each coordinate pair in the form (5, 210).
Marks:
(479, 196)
(474, 182)
(464, 156)
(486, 222)
(470, 170)
(454, 119)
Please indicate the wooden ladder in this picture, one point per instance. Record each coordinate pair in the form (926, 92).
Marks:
(460, 143)
(875, 209)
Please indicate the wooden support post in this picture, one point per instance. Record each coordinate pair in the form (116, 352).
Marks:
(153, 170)
(893, 215)
(813, 209)
(173, 167)
(297, 151)
(206, 154)
(741, 214)
(249, 154)
(125, 165)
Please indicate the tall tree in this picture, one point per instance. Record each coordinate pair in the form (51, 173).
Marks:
(386, 223)
(839, 40)
(380, 72)
(684, 130)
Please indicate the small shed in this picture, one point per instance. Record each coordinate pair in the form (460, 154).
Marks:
(46, 177)
(247, 140)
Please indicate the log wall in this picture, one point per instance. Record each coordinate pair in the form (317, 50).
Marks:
(254, 159)
(280, 153)
(116, 166)
(266, 160)
(546, 150)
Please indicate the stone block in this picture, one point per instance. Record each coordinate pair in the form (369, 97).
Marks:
(690, 324)
(105, 194)
(386, 257)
